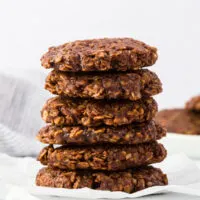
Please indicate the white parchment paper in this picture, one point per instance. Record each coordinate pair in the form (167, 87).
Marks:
(17, 177)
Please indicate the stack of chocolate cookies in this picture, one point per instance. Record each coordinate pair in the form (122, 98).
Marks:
(102, 117)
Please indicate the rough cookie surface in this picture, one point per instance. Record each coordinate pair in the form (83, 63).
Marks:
(105, 157)
(80, 135)
(193, 104)
(132, 86)
(180, 121)
(128, 181)
(65, 111)
(119, 54)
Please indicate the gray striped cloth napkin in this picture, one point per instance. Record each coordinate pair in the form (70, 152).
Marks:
(21, 98)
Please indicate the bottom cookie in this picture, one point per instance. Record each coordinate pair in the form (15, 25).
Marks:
(129, 181)
(180, 121)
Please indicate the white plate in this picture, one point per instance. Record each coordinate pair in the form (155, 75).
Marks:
(177, 143)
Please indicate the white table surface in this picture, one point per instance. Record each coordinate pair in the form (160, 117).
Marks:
(171, 196)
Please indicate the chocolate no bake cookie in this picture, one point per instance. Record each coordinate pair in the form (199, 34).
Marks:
(132, 85)
(106, 157)
(80, 135)
(180, 121)
(129, 181)
(119, 54)
(65, 111)
(193, 104)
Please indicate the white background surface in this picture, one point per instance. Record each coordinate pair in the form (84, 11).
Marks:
(27, 28)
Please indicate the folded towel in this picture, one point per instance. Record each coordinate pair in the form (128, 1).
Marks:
(21, 98)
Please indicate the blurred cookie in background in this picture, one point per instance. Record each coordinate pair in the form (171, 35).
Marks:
(193, 104)
(180, 121)
(183, 128)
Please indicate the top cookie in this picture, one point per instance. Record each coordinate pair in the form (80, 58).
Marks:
(118, 54)
(193, 104)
